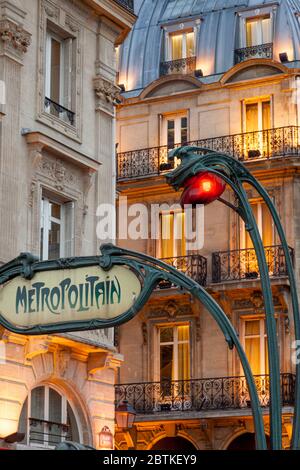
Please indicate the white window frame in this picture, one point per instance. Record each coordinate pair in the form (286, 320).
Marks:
(259, 205)
(51, 35)
(179, 28)
(257, 13)
(184, 43)
(175, 344)
(177, 127)
(259, 102)
(47, 218)
(262, 338)
(64, 403)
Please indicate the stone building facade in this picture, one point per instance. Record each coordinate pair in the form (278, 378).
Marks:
(57, 141)
(226, 76)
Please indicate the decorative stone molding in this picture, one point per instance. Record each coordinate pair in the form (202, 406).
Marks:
(35, 347)
(107, 93)
(102, 360)
(145, 333)
(170, 310)
(14, 39)
(62, 360)
(57, 171)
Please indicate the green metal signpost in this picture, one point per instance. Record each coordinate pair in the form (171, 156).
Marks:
(55, 296)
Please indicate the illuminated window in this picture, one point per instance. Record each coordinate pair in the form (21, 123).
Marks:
(172, 237)
(265, 226)
(258, 31)
(174, 352)
(258, 115)
(59, 76)
(57, 229)
(181, 45)
(47, 418)
(255, 343)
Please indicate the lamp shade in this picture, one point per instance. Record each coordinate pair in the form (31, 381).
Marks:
(125, 415)
(202, 188)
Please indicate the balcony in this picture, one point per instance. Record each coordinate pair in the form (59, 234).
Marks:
(59, 111)
(223, 393)
(248, 146)
(128, 4)
(181, 66)
(237, 265)
(194, 266)
(262, 51)
(47, 433)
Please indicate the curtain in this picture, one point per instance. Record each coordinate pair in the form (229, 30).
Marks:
(167, 235)
(179, 234)
(252, 345)
(176, 46)
(253, 33)
(183, 352)
(266, 30)
(251, 117)
(190, 44)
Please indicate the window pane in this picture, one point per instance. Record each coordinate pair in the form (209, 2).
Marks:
(176, 44)
(179, 236)
(37, 429)
(252, 349)
(267, 226)
(190, 44)
(183, 333)
(73, 433)
(251, 117)
(54, 241)
(166, 335)
(266, 357)
(253, 32)
(266, 115)
(252, 327)
(171, 134)
(22, 428)
(55, 210)
(55, 72)
(167, 235)
(266, 30)
(55, 416)
(184, 131)
(184, 361)
(166, 362)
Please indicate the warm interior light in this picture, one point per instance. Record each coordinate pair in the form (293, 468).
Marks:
(7, 427)
(202, 188)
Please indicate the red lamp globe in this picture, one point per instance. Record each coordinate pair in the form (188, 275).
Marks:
(203, 188)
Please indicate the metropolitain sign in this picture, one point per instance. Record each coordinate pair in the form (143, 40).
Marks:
(65, 295)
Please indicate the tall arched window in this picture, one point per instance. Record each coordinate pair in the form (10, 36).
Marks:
(47, 418)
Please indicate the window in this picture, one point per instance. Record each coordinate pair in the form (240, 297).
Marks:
(175, 131)
(257, 119)
(57, 229)
(258, 31)
(181, 45)
(174, 352)
(172, 238)
(59, 77)
(47, 418)
(258, 115)
(265, 226)
(255, 343)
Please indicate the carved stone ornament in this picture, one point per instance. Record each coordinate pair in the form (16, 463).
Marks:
(170, 310)
(57, 171)
(107, 91)
(14, 36)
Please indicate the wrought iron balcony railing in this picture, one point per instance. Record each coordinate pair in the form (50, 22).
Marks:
(194, 266)
(128, 4)
(184, 66)
(236, 265)
(262, 51)
(47, 433)
(153, 161)
(60, 111)
(220, 393)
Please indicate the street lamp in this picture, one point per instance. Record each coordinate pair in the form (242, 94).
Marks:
(125, 415)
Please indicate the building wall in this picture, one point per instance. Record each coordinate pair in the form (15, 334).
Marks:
(42, 152)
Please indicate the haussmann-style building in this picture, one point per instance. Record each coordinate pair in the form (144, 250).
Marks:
(224, 75)
(57, 147)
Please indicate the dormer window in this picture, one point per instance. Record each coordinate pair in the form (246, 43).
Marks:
(255, 35)
(258, 31)
(182, 45)
(179, 48)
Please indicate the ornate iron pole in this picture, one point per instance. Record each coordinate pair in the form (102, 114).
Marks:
(195, 160)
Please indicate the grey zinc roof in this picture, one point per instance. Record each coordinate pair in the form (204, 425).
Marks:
(141, 52)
